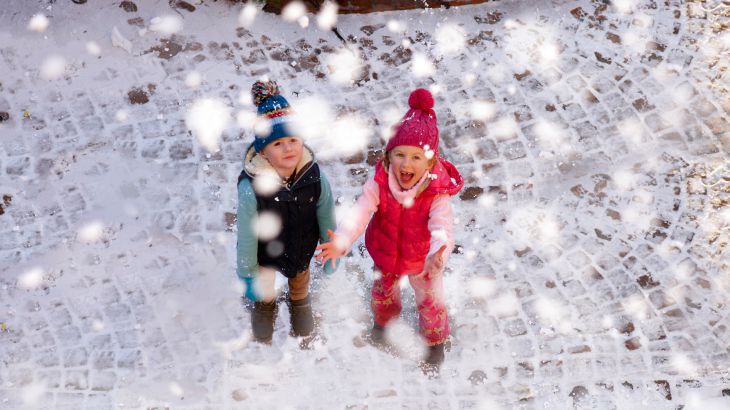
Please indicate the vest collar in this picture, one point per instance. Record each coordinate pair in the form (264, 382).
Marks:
(406, 197)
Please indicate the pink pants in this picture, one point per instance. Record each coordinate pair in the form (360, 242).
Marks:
(429, 290)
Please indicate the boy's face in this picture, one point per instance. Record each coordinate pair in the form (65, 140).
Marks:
(284, 155)
(409, 164)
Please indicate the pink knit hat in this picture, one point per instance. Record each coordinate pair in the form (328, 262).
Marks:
(418, 127)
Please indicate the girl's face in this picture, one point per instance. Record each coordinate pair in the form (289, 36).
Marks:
(409, 164)
(284, 155)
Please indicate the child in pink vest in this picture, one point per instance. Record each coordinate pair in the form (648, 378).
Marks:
(408, 216)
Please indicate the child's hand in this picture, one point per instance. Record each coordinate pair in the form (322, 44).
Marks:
(329, 250)
(435, 262)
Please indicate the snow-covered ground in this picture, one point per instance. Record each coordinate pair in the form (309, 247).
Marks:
(592, 267)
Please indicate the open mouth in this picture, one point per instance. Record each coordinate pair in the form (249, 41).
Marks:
(406, 177)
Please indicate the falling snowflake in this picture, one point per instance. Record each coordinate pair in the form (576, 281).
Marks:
(636, 305)
(267, 225)
(39, 23)
(93, 48)
(31, 279)
(400, 335)
(551, 137)
(121, 116)
(548, 229)
(53, 67)
(396, 26)
(293, 11)
(504, 128)
(91, 232)
(428, 152)
(246, 119)
(175, 389)
(207, 119)
(262, 126)
(345, 65)
(327, 17)
(482, 110)
(248, 14)
(624, 179)
(193, 79)
(549, 52)
(487, 201)
(469, 79)
(483, 288)
(266, 183)
(330, 137)
(32, 393)
(623, 6)
(450, 39)
(422, 65)
(98, 325)
(347, 136)
(505, 304)
(684, 365)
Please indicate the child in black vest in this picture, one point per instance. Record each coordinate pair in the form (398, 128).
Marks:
(285, 207)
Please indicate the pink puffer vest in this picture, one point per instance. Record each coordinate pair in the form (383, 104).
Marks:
(397, 237)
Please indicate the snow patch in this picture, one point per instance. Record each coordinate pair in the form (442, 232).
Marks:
(118, 40)
(166, 24)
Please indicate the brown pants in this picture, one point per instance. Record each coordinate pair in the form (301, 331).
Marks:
(298, 285)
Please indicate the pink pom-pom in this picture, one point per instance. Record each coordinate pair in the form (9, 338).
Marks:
(421, 99)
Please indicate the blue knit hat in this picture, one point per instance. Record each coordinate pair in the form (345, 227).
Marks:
(274, 108)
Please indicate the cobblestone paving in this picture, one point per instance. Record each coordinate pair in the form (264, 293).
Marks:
(592, 266)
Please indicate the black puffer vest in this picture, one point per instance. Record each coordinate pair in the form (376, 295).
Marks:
(292, 250)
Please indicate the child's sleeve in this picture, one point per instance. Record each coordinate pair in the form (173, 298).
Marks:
(440, 222)
(357, 219)
(247, 246)
(326, 215)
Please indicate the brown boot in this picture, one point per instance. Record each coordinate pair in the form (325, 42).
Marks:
(434, 358)
(302, 320)
(263, 316)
